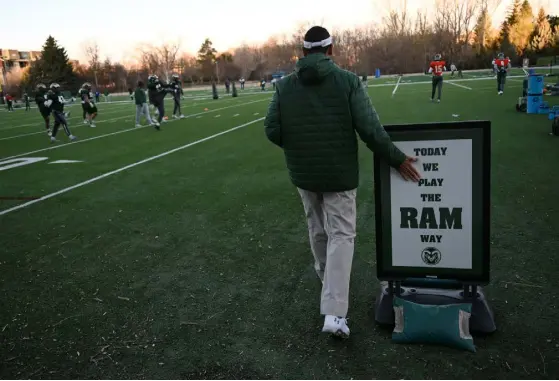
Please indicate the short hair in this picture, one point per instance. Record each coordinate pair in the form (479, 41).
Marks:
(316, 34)
(140, 84)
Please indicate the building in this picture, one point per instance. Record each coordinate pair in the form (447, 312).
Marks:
(16, 59)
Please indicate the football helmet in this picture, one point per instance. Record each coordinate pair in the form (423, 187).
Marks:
(86, 86)
(41, 87)
(437, 57)
(54, 86)
(501, 56)
(175, 77)
(152, 78)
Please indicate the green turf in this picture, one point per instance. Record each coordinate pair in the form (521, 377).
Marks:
(197, 264)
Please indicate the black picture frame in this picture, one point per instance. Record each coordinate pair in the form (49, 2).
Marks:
(480, 133)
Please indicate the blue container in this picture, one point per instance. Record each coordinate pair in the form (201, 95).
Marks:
(544, 108)
(533, 104)
(535, 84)
(377, 73)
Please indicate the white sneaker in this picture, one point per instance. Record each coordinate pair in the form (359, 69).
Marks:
(85, 121)
(156, 124)
(175, 117)
(500, 93)
(92, 124)
(138, 125)
(67, 114)
(49, 132)
(53, 139)
(336, 326)
(72, 137)
(182, 116)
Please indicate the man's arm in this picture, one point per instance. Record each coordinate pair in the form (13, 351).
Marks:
(272, 123)
(369, 128)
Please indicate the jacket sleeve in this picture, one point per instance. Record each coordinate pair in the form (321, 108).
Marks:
(369, 128)
(272, 123)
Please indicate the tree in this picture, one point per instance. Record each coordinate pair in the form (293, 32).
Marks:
(161, 60)
(206, 58)
(542, 36)
(521, 26)
(53, 66)
(91, 51)
(482, 30)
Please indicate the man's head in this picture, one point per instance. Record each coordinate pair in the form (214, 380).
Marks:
(317, 40)
(140, 84)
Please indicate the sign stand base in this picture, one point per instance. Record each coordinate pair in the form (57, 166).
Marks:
(481, 320)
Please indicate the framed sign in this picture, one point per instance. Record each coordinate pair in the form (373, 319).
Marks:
(438, 227)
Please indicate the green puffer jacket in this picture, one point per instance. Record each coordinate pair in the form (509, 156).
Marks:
(314, 115)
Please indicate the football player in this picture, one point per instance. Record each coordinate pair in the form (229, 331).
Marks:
(89, 108)
(436, 68)
(156, 95)
(55, 101)
(40, 99)
(176, 88)
(501, 66)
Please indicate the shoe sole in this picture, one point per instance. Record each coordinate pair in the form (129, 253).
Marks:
(339, 333)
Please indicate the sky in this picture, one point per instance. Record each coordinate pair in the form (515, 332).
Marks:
(120, 26)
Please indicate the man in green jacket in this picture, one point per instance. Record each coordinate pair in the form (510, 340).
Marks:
(142, 106)
(313, 116)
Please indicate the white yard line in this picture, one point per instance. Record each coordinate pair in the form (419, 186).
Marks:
(429, 82)
(459, 85)
(396, 87)
(70, 126)
(127, 130)
(128, 106)
(105, 175)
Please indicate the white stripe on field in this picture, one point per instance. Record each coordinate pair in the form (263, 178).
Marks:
(397, 84)
(122, 131)
(71, 128)
(459, 85)
(105, 175)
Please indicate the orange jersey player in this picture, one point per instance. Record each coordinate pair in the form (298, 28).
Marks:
(501, 65)
(436, 68)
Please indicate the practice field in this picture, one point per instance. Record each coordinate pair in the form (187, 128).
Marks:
(183, 253)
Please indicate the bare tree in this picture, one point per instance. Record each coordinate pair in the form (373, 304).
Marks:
(92, 52)
(161, 60)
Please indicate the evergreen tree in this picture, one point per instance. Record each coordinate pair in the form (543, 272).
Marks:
(521, 26)
(482, 30)
(206, 59)
(53, 66)
(542, 35)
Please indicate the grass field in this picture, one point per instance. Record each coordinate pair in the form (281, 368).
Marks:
(162, 255)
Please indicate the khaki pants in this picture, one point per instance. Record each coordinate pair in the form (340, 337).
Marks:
(331, 219)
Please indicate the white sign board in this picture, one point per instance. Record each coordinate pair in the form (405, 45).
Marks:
(432, 219)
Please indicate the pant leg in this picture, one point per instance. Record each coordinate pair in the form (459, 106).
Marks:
(433, 87)
(314, 212)
(47, 121)
(340, 210)
(161, 108)
(439, 87)
(145, 111)
(61, 121)
(177, 108)
(139, 111)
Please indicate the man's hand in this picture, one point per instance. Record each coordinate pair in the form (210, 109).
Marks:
(408, 171)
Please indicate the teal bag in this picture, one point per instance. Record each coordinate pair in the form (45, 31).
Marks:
(433, 324)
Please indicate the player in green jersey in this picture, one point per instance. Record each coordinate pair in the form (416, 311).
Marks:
(55, 101)
(90, 109)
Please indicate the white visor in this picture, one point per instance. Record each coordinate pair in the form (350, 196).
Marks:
(323, 43)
